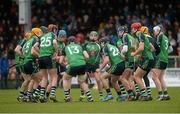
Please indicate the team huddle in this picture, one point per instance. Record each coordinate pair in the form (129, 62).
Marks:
(45, 56)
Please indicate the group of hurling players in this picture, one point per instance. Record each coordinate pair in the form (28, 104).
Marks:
(46, 55)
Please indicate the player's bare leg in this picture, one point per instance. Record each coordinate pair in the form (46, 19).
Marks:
(48, 89)
(99, 83)
(84, 85)
(30, 88)
(125, 81)
(114, 82)
(82, 96)
(155, 77)
(44, 82)
(37, 80)
(104, 78)
(163, 85)
(54, 77)
(24, 87)
(138, 75)
(67, 86)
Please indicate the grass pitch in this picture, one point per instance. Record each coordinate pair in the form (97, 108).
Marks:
(9, 104)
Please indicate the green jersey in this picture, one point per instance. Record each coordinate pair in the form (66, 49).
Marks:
(61, 45)
(74, 54)
(129, 40)
(119, 43)
(113, 53)
(153, 42)
(163, 43)
(46, 45)
(93, 50)
(146, 53)
(26, 50)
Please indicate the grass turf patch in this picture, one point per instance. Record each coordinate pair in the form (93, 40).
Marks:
(9, 104)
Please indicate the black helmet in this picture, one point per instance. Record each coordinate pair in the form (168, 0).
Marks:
(122, 29)
(44, 29)
(71, 39)
(104, 39)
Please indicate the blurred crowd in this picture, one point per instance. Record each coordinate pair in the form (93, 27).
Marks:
(85, 15)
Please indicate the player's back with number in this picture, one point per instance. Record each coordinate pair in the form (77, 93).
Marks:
(113, 53)
(74, 53)
(46, 45)
(163, 42)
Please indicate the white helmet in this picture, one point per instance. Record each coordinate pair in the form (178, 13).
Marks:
(156, 28)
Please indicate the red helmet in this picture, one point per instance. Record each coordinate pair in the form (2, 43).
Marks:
(136, 25)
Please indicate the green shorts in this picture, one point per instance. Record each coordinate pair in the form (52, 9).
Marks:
(30, 67)
(46, 62)
(91, 68)
(146, 64)
(161, 65)
(117, 69)
(76, 70)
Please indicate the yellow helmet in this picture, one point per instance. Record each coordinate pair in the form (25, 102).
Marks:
(27, 35)
(144, 29)
(37, 31)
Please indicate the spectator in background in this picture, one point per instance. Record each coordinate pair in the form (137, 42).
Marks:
(172, 41)
(11, 58)
(4, 70)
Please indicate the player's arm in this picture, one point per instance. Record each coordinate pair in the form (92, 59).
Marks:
(170, 49)
(86, 55)
(55, 45)
(35, 48)
(62, 58)
(125, 45)
(141, 46)
(120, 45)
(19, 47)
(18, 50)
